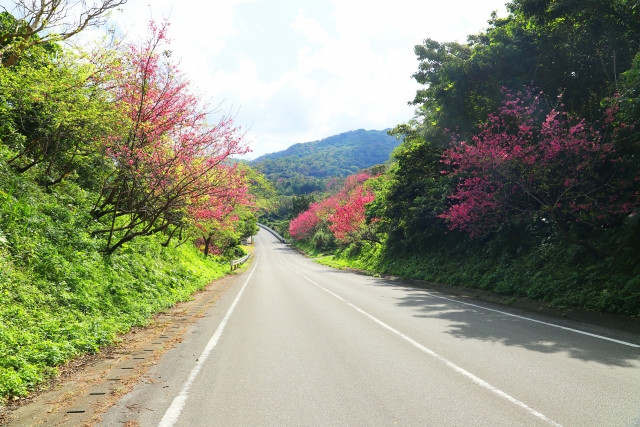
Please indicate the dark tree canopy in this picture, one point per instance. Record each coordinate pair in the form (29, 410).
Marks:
(583, 50)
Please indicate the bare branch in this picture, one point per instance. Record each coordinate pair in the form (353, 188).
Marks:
(52, 20)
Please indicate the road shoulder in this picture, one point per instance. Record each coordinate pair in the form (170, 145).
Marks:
(89, 385)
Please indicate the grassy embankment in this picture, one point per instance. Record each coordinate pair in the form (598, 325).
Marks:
(560, 274)
(59, 296)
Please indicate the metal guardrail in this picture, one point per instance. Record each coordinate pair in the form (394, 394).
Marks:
(234, 263)
(274, 232)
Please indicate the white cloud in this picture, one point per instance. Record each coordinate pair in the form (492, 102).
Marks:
(309, 28)
(301, 71)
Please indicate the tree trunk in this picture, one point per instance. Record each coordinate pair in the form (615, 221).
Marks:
(166, 242)
(207, 242)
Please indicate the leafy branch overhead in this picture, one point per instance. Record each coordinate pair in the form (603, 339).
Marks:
(37, 22)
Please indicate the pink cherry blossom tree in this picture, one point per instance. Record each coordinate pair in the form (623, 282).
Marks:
(167, 155)
(217, 214)
(343, 214)
(556, 168)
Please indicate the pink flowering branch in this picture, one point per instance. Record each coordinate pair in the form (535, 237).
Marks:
(558, 168)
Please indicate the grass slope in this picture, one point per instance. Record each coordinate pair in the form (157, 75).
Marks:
(59, 297)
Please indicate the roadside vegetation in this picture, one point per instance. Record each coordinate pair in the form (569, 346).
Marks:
(60, 296)
(519, 173)
(119, 195)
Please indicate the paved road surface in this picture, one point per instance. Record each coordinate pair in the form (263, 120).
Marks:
(294, 343)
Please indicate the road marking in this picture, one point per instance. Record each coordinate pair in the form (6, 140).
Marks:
(478, 381)
(538, 321)
(173, 413)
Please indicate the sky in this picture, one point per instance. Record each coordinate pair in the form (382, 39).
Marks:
(295, 71)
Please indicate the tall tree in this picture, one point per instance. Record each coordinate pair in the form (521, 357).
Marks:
(168, 155)
(522, 167)
(55, 114)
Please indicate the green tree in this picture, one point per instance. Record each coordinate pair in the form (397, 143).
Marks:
(577, 48)
(300, 204)
(55, 114)
(412, 194)
(40, 22)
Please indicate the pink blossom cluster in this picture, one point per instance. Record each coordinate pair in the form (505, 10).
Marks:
(304, 225)
(343, 213)
(349, 218)
(519, 164)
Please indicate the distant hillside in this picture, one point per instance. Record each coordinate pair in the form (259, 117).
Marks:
(307, 165)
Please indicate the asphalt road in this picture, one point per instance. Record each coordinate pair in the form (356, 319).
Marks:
(294, 343)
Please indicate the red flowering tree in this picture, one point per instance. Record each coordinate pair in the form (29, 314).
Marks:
(304, 225)
(348, 223)
(168, 155)
(343, 214)
(219, 214)
(558, 169)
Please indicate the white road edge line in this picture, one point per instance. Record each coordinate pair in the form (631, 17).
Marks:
(539, 321)
(173, 412)
(458, 369)
(578, 331)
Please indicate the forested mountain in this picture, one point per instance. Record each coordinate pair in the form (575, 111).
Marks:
(304, 167)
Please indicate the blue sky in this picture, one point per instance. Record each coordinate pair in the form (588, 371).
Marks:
(297, 71)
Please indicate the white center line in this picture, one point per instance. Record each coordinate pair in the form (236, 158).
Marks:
(450, 364)
(173, 412)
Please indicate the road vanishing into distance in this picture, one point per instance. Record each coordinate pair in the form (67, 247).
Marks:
(295, 343)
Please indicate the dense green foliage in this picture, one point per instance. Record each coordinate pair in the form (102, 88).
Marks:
(52, 120)
(66, 286)
(59, 296)
(307, 167)
(574, 47)
(582, 57)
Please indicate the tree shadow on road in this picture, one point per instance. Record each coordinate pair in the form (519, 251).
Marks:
(474, 323)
